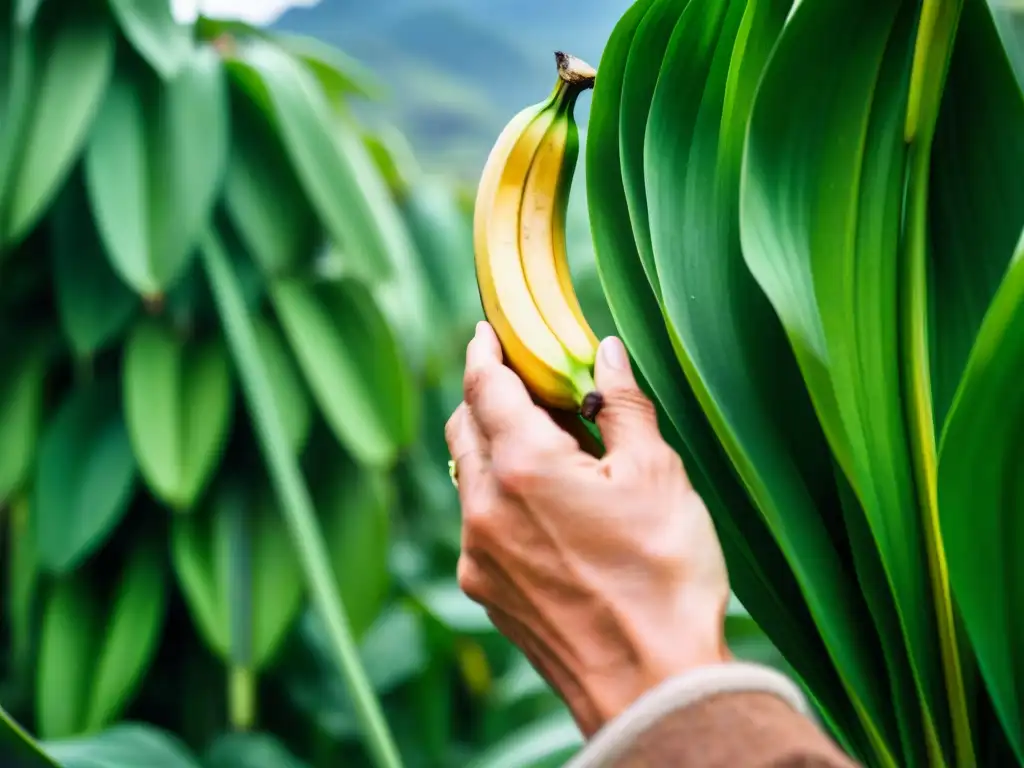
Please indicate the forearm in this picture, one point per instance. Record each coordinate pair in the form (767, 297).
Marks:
(731, 716)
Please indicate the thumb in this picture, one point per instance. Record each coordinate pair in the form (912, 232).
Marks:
(627, 419)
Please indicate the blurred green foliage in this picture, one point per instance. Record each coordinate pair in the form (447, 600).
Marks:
(231, 329)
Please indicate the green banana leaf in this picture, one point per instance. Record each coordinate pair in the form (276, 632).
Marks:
(980, 495)
(95, 647)
(339, 75)
(60, 70)
(975, 346)
(126, 745)
(18, 749)
(21, 410)
(639, 78)
(546, 743)
(151, 29)
(820, 227)
(264, 197)
(286, 381)
(976, 200)
(84, 476)
(757, 570)
(131, 636)
(250, 750)
(94, 304)
(178, 405)
(322, 155)
(155, 165)
(352, 363)
(241, 579)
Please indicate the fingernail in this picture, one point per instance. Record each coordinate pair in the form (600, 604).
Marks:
(479, 327)
(614, 353)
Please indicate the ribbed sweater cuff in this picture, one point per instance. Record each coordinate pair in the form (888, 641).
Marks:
(612, 741)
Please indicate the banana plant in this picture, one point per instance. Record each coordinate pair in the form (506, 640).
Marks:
(183, 183)
(807, 246)
(232, 319)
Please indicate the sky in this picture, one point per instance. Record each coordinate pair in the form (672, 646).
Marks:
(252, 11)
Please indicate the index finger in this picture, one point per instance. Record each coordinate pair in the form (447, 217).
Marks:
(499, 400)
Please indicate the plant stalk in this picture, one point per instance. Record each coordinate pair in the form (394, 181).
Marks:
(936, 35)
(294, 496)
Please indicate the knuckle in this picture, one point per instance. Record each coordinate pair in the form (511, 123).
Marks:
(469, 578)
(656, 463)
(477, 521)
(666, 461)
(454, 425)
(632, 400)
(662, 464)
(474, 382)
(517, 473)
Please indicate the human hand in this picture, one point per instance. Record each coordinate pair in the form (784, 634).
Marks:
(607, 573)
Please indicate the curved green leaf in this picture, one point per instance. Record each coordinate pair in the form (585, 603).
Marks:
(84, 477)
(196, 550)
(239, 573)
(394, 157)
(69, 638)
(339, 74)
(265, 200)
(154, 167)
(72, 62)
(980, 493)
(977, 478)
(124, 745)
(131, 636)
(178, 404)
(276, 575)
(93, 303)
(355, 506)
(824, 246)
(297, 507)
(152, 30)
(285, 379)
(976, 207)
(756, 567)
(742, 370)
(444, 238)
(352, 364)
(250, 750)
(21, 411)
(547, 742)
(18, 746)
(639, 77)
(341, 184)
(25, 11)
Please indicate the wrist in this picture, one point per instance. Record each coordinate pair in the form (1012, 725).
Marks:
(611, 695)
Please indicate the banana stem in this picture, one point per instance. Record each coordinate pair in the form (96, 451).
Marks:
(593, 401)
(574, 71)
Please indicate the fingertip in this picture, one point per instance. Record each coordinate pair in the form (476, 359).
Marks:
(483, 348)
(612, 367)
(485, 332)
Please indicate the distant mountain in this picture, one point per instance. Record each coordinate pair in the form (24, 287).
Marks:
(457, 70)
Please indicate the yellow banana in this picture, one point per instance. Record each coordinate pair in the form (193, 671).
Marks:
(519, 238)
